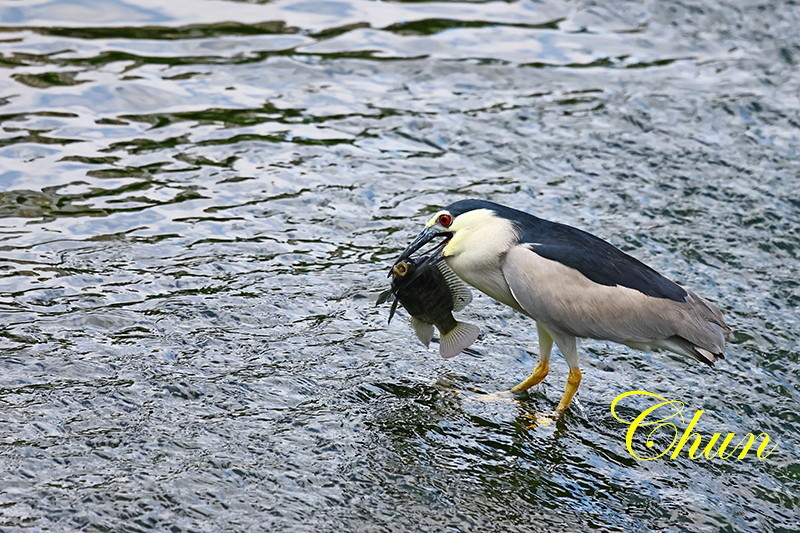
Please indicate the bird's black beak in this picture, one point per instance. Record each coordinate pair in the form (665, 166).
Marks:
(427, 235)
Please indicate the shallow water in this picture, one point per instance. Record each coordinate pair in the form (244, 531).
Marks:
(200, 202)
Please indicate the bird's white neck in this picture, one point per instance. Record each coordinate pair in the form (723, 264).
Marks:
(475, 252)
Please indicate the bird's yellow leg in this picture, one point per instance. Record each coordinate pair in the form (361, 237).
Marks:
(539, 373)
(573, 381)
(541, 370)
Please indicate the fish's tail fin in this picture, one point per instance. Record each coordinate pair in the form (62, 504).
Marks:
(423, 330)
(458, 339)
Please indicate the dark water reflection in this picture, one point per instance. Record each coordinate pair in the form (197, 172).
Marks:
(198, 203)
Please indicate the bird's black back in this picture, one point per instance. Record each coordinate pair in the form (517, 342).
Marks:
(593, 257)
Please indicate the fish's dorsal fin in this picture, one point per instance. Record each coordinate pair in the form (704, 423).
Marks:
(462, 296)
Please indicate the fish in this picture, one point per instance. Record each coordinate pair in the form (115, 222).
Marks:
(431, 292)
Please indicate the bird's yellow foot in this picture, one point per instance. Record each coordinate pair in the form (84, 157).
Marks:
(480, 396)
(503, 396)
(540, 420)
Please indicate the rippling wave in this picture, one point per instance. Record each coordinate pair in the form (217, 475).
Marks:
(199, 201)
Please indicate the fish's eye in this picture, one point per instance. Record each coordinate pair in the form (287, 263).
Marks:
(445, 220)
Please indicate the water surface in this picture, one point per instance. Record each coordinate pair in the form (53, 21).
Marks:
(199, 202)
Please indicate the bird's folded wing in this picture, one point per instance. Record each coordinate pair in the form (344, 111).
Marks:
(606, 265)
(564, 298)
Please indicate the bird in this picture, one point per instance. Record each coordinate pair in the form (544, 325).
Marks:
(573, 284)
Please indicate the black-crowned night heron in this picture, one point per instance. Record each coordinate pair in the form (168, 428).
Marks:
(572, 284)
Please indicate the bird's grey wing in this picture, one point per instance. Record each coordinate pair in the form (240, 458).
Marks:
(563, 298)
(598, 260)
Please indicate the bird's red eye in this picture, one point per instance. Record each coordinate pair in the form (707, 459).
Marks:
(445, 220)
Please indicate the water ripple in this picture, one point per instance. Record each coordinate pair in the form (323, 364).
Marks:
(198, 205)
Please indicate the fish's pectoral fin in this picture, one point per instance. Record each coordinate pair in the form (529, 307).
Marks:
(458, 339)
(423, 330)
(459, 290)
(384, 297)
(462, 296)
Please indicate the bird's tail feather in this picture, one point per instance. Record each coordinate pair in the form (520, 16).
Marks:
(702, 333)
(682, 346)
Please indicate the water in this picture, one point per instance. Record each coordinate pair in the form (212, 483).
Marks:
(200, 201)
